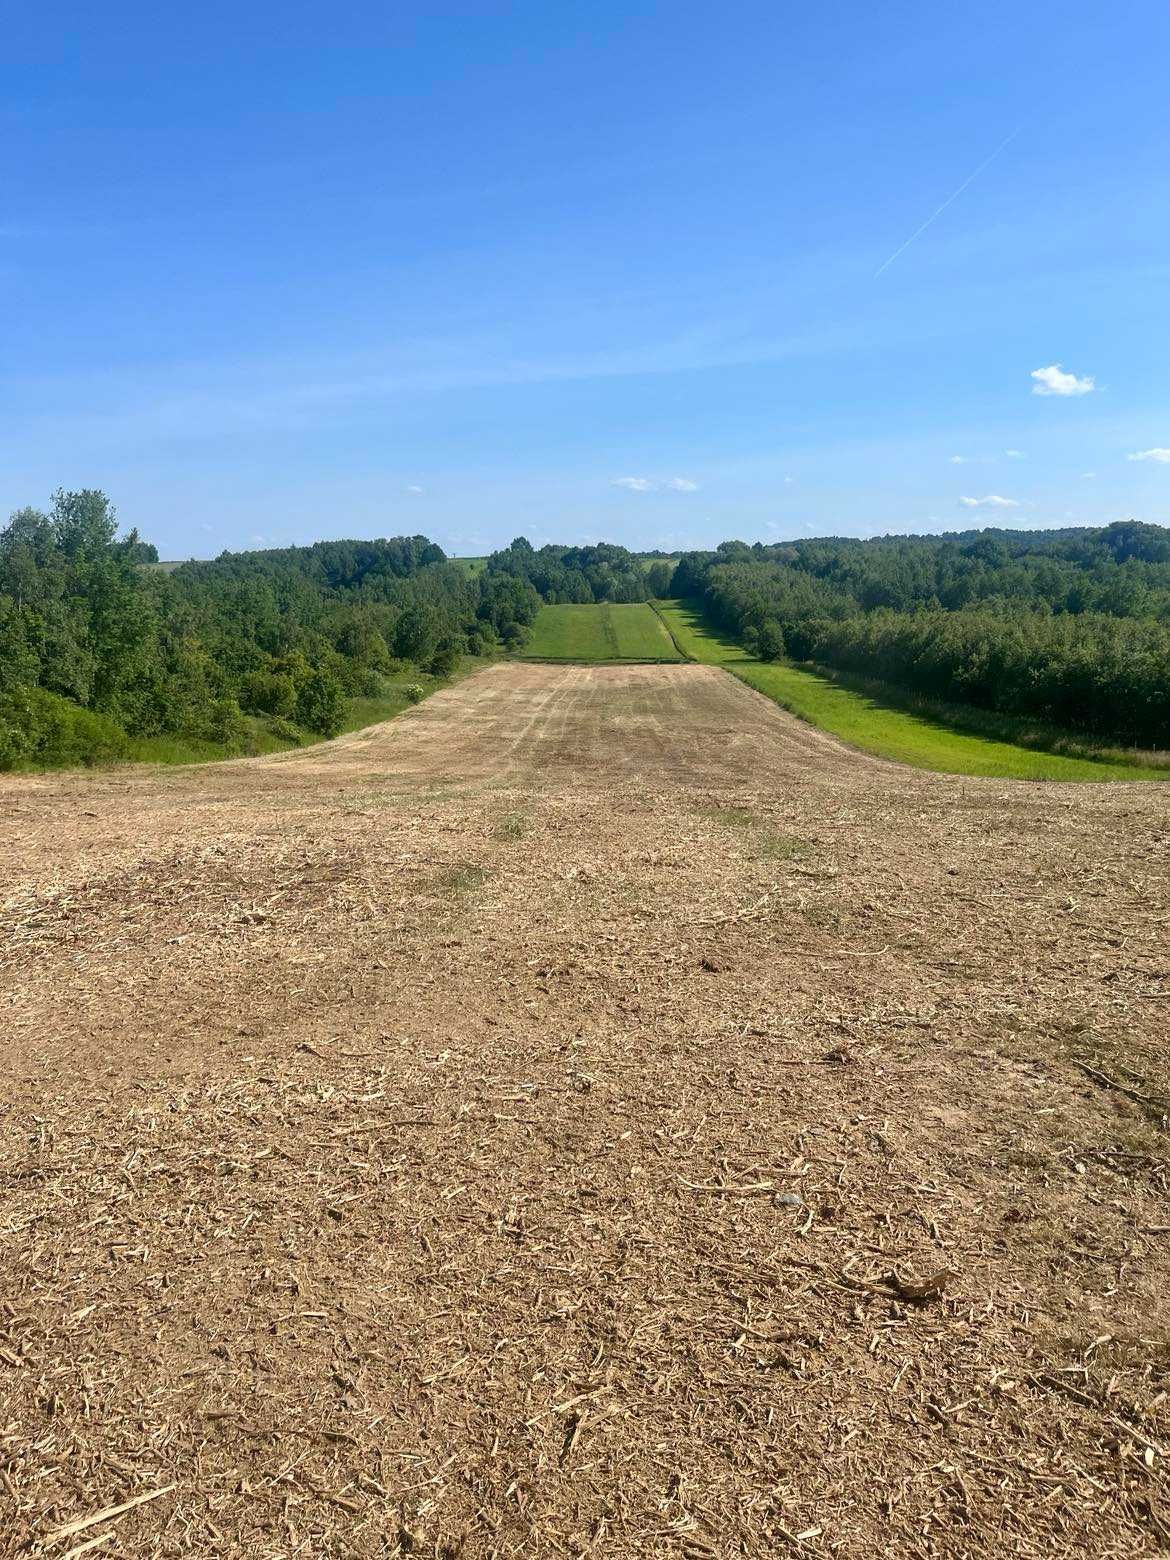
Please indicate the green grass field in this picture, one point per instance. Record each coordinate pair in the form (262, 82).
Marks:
(866, 723)
(599, 632)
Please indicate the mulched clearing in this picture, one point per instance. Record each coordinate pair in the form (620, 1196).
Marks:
(591, 1115)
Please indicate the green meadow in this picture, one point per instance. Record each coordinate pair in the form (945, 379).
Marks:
(599, 632)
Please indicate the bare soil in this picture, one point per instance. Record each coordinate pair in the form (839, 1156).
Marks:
(591, 1114)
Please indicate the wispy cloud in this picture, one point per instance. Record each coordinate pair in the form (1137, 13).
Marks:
(414, 487)
(985, 460)
(1159, 455)
(990, 501)
(1087, 476)
(1054, 381)
(954, 195)
(651, 485)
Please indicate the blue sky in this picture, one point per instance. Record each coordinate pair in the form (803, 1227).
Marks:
(282, 271)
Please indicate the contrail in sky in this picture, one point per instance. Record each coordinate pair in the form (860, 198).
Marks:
(970, 179)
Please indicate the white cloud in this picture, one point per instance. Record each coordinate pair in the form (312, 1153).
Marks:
(1015, 454)
(413, 487)
(649, 485)
(1054, 381)
(959, 460)
(1087, 476)
(991, 501)
(1159, 455)
(788, 481)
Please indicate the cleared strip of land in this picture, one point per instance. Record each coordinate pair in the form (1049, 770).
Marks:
(595, 1112)
(874, 727)
(599, 632)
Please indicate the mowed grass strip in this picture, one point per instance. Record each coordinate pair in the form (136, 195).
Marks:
(599, 632)
(865, 723)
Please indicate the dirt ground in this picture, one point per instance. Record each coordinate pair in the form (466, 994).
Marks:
(593, 1114)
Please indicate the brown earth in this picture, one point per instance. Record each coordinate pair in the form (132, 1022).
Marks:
(592, 1114)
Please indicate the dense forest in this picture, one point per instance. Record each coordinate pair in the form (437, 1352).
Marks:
(1070, 626)
(604, 572)
(99, 645)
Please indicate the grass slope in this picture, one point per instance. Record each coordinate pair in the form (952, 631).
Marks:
(600, 632)
(866, 723)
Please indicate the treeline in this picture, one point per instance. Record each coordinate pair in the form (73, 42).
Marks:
(1071, 627)
(98, 645)
(604, 572)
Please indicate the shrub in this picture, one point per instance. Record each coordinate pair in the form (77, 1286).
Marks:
(770, 641)
(321, 704)
(415, 692)
(13, 745)
(224, 723)
(444, 661)
(43, 730)
(268, 693)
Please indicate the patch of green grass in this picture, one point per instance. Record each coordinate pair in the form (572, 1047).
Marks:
(867, 723)
(176, 748)
(360, 713)
(735, 817)
(768, 844)
(599, 632)
(698, 640)
(782, 847)
(464, 878)
(513, 826)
